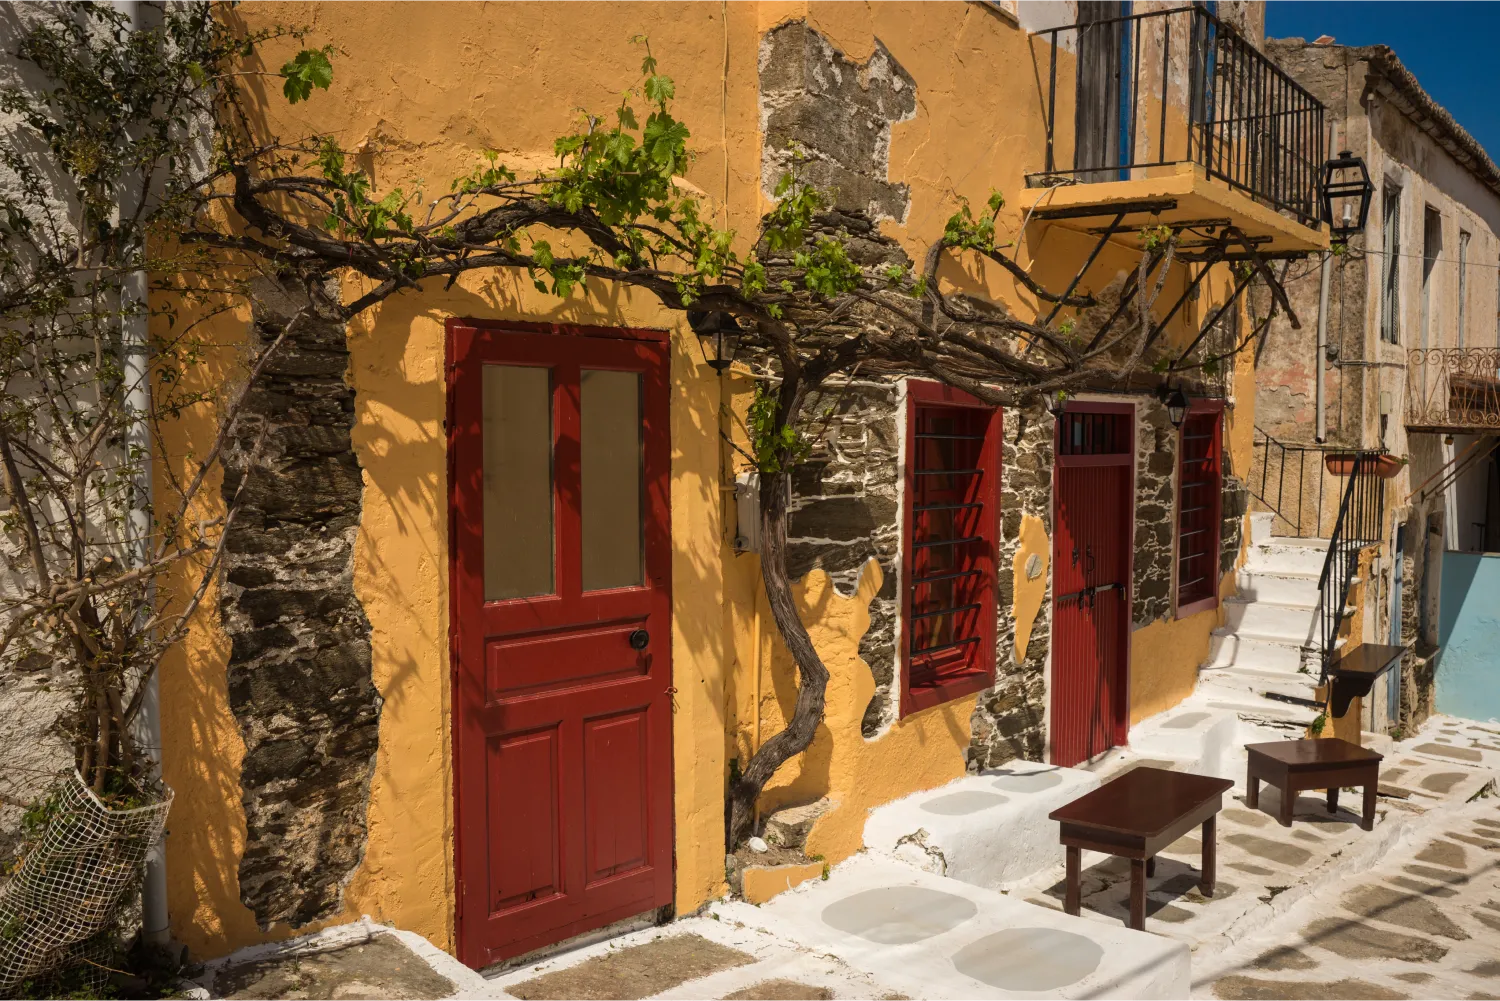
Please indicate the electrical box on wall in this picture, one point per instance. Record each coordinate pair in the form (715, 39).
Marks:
(747, 511)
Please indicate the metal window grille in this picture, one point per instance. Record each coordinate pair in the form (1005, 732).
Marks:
(950, 586)
(1093, 434)
(1198, 509)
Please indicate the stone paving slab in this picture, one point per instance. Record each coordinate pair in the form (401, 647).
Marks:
(1422, 920)
(1319, 910)
(1264, 868)
(930, 936)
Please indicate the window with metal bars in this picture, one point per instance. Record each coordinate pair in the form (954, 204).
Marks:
(950, 533)
(1200, 496)
(1089, 433)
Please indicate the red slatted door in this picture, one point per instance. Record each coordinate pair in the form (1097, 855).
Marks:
(561, 625)
(1091, 582)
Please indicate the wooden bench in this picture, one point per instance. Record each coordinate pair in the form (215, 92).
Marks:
(1135, 816)
(1292, 766)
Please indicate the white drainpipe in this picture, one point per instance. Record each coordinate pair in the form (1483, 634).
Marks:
(1321, 359)
(135, 335)
(1320, 429)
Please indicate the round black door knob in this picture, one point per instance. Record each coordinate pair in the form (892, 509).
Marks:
(639, 639)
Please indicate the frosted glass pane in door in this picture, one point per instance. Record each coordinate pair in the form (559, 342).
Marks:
(610, 457)
(518, 548)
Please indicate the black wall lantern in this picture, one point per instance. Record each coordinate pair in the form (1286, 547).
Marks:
(1058, 404)
(1176, 402)
(1346, 194)
(717, 333)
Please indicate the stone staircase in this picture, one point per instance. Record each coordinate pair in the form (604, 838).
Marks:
(1269, 643)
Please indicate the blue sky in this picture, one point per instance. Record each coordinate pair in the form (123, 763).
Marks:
(1449, 46)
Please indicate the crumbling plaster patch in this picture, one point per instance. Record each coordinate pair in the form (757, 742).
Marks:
(836, 115)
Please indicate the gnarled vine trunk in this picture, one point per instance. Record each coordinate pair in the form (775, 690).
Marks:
(775, 496)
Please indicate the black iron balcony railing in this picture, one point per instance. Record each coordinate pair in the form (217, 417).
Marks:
(1179, 86)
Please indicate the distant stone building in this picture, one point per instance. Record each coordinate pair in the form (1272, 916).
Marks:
(1412, 307)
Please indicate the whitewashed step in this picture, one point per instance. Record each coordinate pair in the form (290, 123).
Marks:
(1287, 558)
(1248, 683)
(1266, 620)
(1231, 650)
(1283, 589)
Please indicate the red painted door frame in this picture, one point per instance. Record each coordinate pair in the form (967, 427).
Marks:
(1076, 674)
(562, 746)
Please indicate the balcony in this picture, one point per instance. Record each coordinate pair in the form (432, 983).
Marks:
(1177, 118)
(1453, 390)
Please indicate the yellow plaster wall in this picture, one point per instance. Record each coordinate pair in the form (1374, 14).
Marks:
(431, 96)
(202, 748)
(1028, 590)
(922, 751)
(401, 576)
(429, 93)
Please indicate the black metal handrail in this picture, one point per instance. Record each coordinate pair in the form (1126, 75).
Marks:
(1237, 114)
(1359, 524)
(1282, 484)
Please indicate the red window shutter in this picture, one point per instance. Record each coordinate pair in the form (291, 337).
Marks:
(1199, 505)
(949, 544)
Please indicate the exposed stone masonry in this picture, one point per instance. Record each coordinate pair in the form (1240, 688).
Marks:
(299, 664)
(844, 512)
(838, 113)
(1008, 719)
(1155, 512)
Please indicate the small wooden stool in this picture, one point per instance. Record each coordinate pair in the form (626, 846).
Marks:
(1292, 766)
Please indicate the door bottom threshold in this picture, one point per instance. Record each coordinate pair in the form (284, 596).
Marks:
(624, 926)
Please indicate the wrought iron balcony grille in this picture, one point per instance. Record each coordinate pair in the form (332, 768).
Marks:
(1453, 389)
(1165, 87)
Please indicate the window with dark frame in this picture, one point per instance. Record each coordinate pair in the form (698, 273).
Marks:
(1390, 290)
(951, 530)
(1432, 251)
(1463, 284)
(1199, 503)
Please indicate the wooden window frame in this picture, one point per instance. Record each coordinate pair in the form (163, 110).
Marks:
(1198, 408)
(1390, 277)
(922, 394)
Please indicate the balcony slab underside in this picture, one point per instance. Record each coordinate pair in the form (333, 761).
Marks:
(1178, 196)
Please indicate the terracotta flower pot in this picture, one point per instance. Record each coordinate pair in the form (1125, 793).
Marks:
(1342, 464)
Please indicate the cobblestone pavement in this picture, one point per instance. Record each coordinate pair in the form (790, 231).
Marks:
(1322, 909)
(1264, 868)
(1421, 919)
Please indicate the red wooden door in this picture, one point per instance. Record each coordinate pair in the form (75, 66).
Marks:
(558, 451)
(1091, 563)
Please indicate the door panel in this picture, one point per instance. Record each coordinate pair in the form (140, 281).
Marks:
(1099, 140)
(616, 780)
(561, 626)
(522, 782)
(1091, 586)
